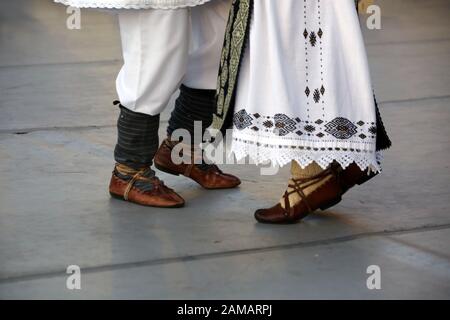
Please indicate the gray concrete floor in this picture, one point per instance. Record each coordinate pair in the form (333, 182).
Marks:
(56, 140)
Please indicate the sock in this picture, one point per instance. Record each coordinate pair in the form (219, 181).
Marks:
(298, 173)
(137, 140)
(127, 173)
(192, 105)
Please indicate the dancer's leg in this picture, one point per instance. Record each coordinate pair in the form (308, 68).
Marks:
(155, 45)
(298, 173)
(197, 94)
(155, 51)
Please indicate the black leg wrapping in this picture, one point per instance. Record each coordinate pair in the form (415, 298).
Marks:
(137, 140)
(192, 105)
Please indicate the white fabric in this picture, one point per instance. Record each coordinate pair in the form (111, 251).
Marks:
(133, 4)
(164, 48)
(275, 119)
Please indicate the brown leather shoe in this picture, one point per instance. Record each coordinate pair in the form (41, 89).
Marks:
(351, 176)
(142, 187)
(324, 197)
(208, 176)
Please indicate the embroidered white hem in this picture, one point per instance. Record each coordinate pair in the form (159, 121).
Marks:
(283, 156)
(132, 4)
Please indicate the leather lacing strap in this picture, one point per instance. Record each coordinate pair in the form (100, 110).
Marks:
(299, 186)
(145, 174)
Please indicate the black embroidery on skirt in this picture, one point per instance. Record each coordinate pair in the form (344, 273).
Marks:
(341, 128)
(310, 128)
(277, 146)
(316, 96)
(234, 50)
(322, 90)
(242, 120)
(313, 39)
(306, 34)
(320, 33)
(282, 125)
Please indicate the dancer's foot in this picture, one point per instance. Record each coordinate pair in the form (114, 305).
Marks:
(209, 176)
(142, 187)
(303, 196)
(352, 176)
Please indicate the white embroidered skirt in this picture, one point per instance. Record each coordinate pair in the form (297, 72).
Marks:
(304, 90)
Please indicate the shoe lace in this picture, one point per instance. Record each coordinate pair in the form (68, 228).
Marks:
(144, 179)
(299, 185)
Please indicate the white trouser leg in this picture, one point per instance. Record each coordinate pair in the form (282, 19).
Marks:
(208, 23)
(164, 48)
(155, 45)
